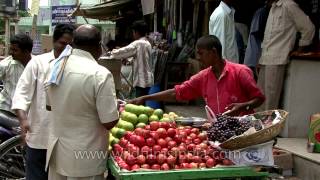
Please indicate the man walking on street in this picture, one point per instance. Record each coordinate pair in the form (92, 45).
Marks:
(29, 103)
(81, 97)
(284, 21)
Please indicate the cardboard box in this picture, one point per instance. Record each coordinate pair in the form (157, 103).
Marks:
(46, 42)
(314, 131)
(283, 159)
(114, 66)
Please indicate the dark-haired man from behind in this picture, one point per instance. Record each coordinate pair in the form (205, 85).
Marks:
(11, 69)
(226, 87)
(83, 108)
(29, 104)
(140, 50)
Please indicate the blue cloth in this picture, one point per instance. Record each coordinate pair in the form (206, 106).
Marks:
(258, 25)
(58, 67)
(154, 104)
(241, 45)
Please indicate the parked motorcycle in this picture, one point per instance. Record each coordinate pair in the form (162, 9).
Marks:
(12, 153)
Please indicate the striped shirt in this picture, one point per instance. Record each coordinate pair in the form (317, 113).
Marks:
(10, 72)
(284, 21)
(140, 50)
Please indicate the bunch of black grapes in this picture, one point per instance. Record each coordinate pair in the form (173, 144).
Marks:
(226, 127)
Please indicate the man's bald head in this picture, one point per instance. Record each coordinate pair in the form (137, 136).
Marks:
(87, 38)
(86, 35)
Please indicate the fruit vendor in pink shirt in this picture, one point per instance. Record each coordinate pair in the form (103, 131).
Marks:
(225, 86)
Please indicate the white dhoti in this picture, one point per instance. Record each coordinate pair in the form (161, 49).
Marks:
(54, 175)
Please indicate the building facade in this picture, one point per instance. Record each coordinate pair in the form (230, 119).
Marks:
(46, 21)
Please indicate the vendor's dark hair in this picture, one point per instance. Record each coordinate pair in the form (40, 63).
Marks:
(23, 41)
(61, 29)
(140, 26)
(83, 39)
(209, 42)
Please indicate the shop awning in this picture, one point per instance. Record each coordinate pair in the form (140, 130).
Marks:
(104, 11)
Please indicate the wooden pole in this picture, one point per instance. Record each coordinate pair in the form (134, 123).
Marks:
(155, 17)
(196, 4)
(16, 27)
(16, 20)
(180, 15)
(7, 35)
(206, 19)
(34, 27)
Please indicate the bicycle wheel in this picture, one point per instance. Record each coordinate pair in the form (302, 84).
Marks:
(12, 159)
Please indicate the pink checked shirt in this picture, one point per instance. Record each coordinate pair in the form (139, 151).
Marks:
(235, 85)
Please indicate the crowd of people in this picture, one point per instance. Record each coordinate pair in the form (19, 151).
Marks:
(272, 37)
(66, 102)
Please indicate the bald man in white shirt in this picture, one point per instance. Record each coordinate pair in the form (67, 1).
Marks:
(83, 109)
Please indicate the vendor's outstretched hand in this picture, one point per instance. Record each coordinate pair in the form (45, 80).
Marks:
(137, 101)
(235, 109)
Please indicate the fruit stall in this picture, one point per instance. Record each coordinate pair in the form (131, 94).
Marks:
(148, 143)
(207, 173)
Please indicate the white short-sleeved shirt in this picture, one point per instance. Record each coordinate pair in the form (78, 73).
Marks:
(80, 104)
(30, 97)
(221, 24)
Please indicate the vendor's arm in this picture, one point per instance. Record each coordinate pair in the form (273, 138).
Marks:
(167, 96)
(188, 90)
(236, 108)
(124, 52)
(249, 87)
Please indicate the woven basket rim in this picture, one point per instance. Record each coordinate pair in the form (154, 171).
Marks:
(265, 134)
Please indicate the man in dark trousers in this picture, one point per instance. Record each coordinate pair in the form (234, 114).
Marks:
(83, 109)
(29, 104)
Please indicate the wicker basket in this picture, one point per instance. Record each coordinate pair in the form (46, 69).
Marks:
(258, 137)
